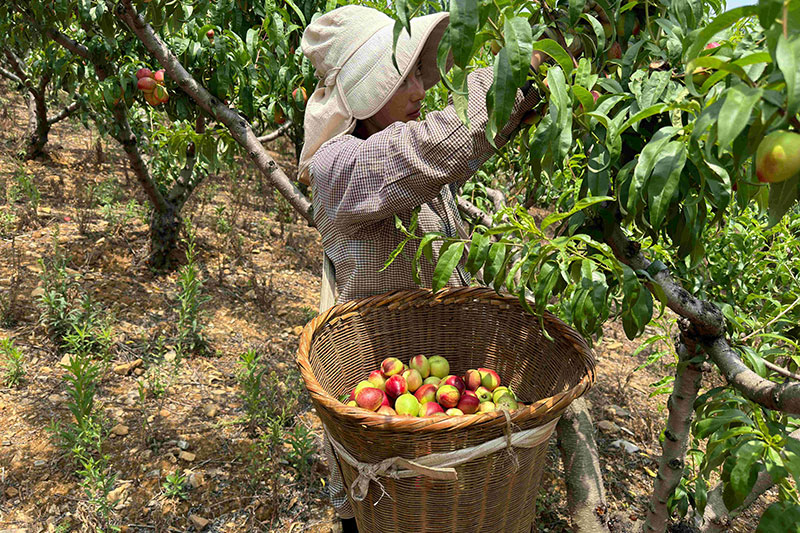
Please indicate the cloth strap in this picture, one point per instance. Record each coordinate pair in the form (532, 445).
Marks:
(437, 465)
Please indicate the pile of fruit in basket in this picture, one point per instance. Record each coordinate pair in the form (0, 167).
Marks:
(425, 387)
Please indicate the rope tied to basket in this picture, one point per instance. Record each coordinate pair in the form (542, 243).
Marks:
(437, 465)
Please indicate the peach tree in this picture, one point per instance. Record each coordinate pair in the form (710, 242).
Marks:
(666, 148)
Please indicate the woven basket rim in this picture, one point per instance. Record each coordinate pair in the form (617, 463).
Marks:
(540, 411)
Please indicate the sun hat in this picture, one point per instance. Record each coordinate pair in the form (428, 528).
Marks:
(351, 50)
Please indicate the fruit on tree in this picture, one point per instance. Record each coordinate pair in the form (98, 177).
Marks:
(700, 75)
(413, 379)
(302, 91)
(161, 94)
(712, 45)
(210, 35)
(370, 398)
(152, 99)
(406, 405)
(159, 76)
(778, 156)
(391, 365)
(426, 393)
(439, 366)
(146, 85)
(421, 365)
(615, 52)
(144, 73)
(448, 396)
(280, 118)
(396, 386)
(495, 47)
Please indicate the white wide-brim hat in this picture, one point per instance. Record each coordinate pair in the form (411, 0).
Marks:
(351, 50)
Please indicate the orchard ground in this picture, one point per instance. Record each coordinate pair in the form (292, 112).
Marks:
(261, 268)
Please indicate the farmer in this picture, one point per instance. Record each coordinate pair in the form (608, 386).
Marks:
(368, 157)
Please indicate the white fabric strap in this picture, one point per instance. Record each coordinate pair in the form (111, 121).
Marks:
(436, 465)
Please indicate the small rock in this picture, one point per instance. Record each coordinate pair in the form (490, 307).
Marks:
(612, 411)
(170, 356)
(608, 427)
(210, 410)
(196, 480)
(187, 456)
(38, 292)
(124, 369)
(117, 494)
(12, 492)
(182, 444)
(40, 462)
(628, 446)
(298, 330)
(139, 371)
(65, 360)
(55, 399)
(153, 473)
(120, 430)
(198, 521)
(163, 413)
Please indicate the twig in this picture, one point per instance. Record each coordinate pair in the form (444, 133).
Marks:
(780, 370)
(275, 134)
(773, 320)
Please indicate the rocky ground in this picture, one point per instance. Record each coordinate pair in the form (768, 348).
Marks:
(261, 272)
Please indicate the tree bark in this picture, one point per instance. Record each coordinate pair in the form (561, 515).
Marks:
(586, 496)
(38, 125)
(688, 376)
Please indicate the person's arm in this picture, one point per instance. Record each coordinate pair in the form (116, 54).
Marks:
(361, 182)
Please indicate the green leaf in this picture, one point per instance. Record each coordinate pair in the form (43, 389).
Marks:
(561, 105)
(781, 198)
(581, 204)
(780, 516)
(494, 261)
(735, 113)
(448, 260)
(519, 42)
(478, 251)
(723, 21)
(503, 94)
(642, 310)
(745, 470)
(664, 180)
(584, 97)
(787, 56)
(598, 30)
(646, 163)
(426, 242)
(554, 50)
(643, 114)
(463, 29)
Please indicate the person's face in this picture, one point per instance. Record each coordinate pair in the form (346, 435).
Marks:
(404, 106)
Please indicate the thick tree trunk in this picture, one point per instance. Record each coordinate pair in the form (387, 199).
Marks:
(165, 228)
(38, 125)
(676, 437)
(586, 496)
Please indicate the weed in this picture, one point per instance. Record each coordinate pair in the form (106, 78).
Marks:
(8, 223)
(190, 301)
(175, 486)
(25, 186)
(266, 396)
(301, 456)
(309, 313)
(14, 363)
(222, 224)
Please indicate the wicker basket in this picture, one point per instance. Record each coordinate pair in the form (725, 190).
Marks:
(471, 327)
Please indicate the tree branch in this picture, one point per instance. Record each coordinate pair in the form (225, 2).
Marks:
(10, 75)
(275, 134)
(676, 436)
(469, 209)
(14, 61)
(778, 396)
(66, 112)
(238, 126)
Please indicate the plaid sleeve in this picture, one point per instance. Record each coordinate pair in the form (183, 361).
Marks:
(361, 182)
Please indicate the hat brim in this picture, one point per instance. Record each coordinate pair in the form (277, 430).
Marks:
(371, 83)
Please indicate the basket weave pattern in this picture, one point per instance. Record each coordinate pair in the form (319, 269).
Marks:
(471, 328)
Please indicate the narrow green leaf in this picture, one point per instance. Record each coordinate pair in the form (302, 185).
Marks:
(581, 204)
(426, 242)
(647, 160)
(735, 113)
(478, 251)
(643, 114)
(787, 56)
(519, 42)
(664, 180)
(782, 197)
(504, 94)
(463, 29)
(448, 260)
(780, 516)
(561, 105)
(494, 261)
(745, 470)
(554, 50)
